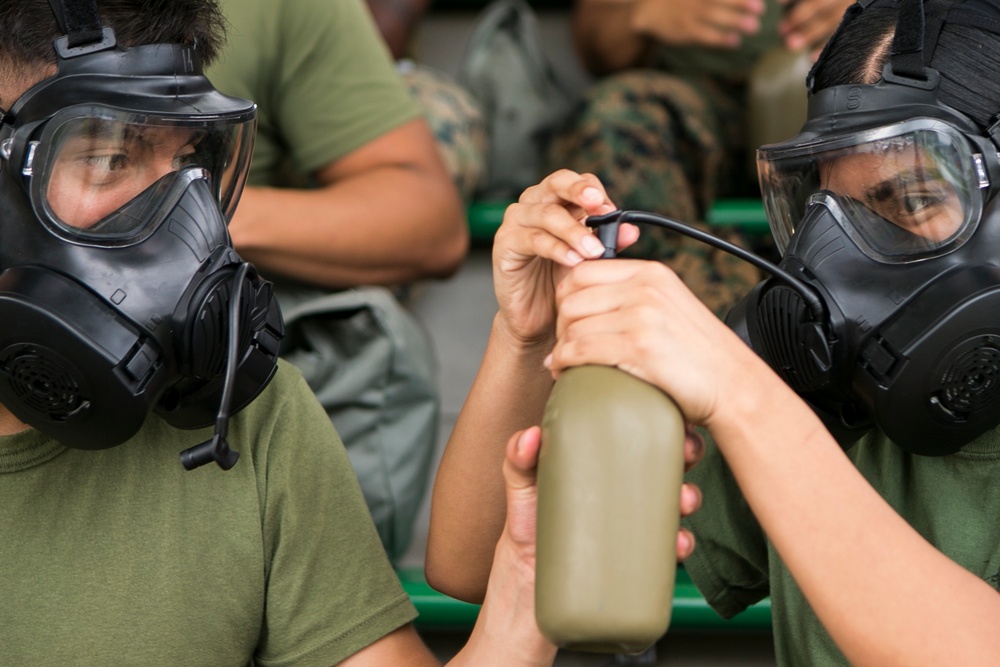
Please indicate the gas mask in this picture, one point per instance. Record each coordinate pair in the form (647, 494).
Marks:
(884, 309)
(885, 206)
(120, 291)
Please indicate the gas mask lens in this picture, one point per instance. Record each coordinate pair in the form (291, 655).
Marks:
(902, 192)
(97, 173)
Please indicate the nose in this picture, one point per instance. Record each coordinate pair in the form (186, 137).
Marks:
(160, 166)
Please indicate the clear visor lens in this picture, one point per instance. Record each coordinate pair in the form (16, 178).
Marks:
(89, 167)
(919, 181)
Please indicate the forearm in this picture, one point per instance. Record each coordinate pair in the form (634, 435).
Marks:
(506, 633)
(387, 225)
(868, 575)
(606, 36)
(467, 504)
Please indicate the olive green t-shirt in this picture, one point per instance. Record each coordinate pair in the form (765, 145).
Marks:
(952, 501)
(122, 557)
(323, 81)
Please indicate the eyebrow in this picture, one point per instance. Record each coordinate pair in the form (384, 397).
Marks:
(890, 187)
(97, 129)
(101, 130)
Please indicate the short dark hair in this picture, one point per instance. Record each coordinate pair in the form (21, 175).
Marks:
(967, 57)
(27, 28)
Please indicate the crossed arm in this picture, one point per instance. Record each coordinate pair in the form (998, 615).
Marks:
(386, 213)
(612, 35)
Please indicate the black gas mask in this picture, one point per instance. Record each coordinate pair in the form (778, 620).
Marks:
(885, 307)
(120, 291)
(885, 206)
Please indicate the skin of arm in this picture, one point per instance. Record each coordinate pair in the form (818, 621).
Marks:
(541, 237)
(509, 393)
(612, 35)
(386, 213)
(807, 24)
(397, 22)
(842, 542)
(505, 634)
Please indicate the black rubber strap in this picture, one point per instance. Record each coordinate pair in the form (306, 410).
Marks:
(80, 20)
(908, 42)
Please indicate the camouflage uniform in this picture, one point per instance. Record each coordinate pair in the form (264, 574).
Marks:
(618, 136)
(671, 140)
(456, 120)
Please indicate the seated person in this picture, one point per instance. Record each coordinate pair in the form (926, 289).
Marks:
(347, 189)
(664, 124)
(121, 165)
(454, 115)
(302, 64)
(882, 554)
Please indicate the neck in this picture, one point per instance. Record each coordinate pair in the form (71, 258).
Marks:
(9, 424)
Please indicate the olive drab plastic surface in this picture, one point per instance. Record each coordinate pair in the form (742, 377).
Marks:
(609, 477)
(776, 97)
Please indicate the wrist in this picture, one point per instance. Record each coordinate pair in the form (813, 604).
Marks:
(506, 630)
(756, 404)
(528, 347)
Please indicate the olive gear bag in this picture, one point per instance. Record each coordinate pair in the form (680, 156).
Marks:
(523, 99)
(371, 365)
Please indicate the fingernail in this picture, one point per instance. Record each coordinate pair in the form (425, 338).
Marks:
(548, 361)
(592, 246)
(592, 196)
(689, 497)
(685, 545)
(573, 257)
(519, 445)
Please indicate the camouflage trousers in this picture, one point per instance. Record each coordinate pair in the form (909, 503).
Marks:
(668, 145)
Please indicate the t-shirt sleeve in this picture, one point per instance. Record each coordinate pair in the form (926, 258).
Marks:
(330, 588)
(730, 560)
(337, 87)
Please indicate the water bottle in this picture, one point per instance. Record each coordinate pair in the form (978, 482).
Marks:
(609, 476)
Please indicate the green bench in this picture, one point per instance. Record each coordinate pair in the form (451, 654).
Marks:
(690, 610)
(747, 214)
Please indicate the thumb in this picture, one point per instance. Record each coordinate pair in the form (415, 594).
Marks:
(522, 459)
(519, 476)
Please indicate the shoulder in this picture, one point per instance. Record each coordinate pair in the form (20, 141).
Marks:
(284, 428)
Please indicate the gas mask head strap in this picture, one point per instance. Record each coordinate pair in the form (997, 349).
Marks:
(918, 25)
(80, 21)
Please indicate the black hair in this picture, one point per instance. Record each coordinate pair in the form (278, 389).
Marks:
(967, 58)
(27, 28)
